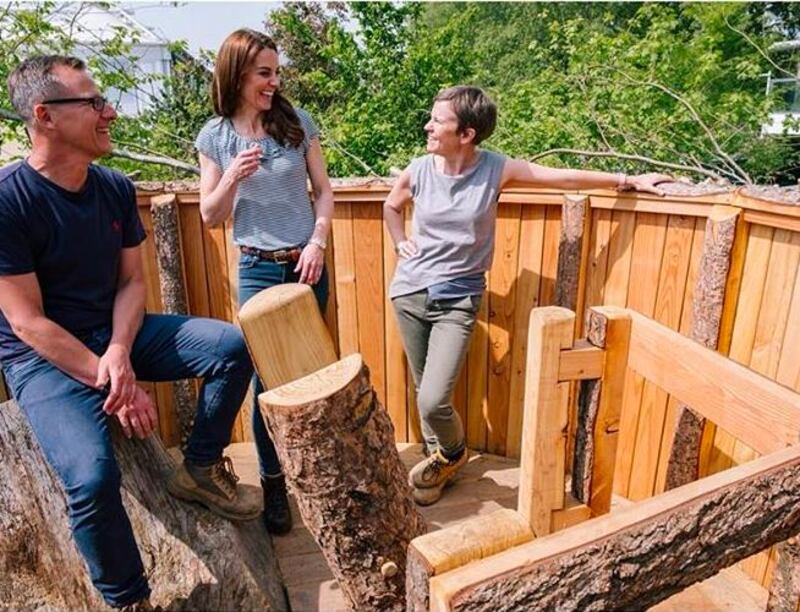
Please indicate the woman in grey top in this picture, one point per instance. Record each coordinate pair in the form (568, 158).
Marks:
(440, 277)
(255, 157)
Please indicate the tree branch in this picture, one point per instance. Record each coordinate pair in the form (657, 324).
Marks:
(688, 106)
(160, 160)
(626, 156)
(761, 52)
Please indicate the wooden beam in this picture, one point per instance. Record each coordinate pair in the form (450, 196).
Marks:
(707, 307)
(660, 207)
(599, 405)
(572, 251)
(583, 361)
(444, 550)
(573, 513)
(544, 425)
(758, 411)
(758, 217)
(641, 554)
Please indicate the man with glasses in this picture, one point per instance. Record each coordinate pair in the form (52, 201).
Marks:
(73, 335)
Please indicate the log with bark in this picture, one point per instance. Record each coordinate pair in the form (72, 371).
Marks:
(167, 237)
(337, 448)
(193, 559)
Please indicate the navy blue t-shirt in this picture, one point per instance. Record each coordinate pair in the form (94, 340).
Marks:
(71, 240)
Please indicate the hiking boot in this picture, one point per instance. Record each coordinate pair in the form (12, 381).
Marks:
(215, 487)
(277, 516)
(426, 497)
(436, 470)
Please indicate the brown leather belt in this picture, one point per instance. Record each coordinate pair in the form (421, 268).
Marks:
(279, 256)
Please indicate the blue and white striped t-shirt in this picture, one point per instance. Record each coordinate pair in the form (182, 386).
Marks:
(272, 209)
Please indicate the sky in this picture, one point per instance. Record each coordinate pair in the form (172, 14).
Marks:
(202, 24)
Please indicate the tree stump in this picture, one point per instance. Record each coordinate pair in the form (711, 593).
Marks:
(193, 558)
(336, 444)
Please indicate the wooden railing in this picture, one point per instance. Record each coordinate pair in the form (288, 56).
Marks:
(645, 551)
(633, 251)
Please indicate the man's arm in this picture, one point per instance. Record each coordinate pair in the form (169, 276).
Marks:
(115, 364)
(21, 303)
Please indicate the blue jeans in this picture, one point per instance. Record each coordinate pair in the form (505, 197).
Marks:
(255, 275)
(73, 431)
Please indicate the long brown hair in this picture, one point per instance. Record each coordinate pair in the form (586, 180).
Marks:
(237, 53)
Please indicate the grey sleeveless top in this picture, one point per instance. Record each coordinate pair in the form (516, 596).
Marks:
(453, 224)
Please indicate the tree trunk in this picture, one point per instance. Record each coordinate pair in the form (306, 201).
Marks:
(336, 445)
(194, 559)
(167, 235)
(707, 304)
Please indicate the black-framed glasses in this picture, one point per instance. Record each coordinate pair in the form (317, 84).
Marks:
(98, 103)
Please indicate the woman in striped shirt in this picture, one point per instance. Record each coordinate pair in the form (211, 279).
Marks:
(255, 158)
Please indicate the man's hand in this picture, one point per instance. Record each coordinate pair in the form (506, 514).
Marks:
(138, 417)
(115, 367)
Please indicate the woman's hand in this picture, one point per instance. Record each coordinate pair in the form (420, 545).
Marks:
(647, 182)
(406, 249)
(244, 164)
(310, 264)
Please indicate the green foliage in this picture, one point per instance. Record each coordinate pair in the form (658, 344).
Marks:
(677, 82)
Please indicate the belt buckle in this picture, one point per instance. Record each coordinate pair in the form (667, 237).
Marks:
(281, 256)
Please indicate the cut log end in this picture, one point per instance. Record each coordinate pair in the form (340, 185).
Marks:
(315, 386)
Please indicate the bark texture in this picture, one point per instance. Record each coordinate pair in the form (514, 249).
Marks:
(167, 237)
(339, 457)
(570, 249)
(649, 561)
(194, 559)
(583, 461)
(707, 304)
(784, 592)
(418, 577)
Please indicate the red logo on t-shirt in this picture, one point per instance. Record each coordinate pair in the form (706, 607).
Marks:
(116, 226)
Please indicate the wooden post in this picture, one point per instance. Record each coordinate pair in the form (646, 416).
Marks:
(784, 592)
(544, 425)
(193, 558)
(573, 251)
(336, 445)
(599, 405)
(167, 237)
(475, 538)
(642, 554)
(286, 334)
(707, 307)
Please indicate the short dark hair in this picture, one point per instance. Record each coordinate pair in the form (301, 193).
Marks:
(474, 109)
(33, 82)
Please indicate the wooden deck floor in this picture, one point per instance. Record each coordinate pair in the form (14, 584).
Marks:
(485, 484)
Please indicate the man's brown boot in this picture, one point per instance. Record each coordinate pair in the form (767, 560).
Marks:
(215, 487)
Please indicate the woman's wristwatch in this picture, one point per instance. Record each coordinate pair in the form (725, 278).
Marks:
(318, 242)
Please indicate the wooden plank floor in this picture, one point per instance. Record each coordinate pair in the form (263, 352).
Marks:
(485, 484)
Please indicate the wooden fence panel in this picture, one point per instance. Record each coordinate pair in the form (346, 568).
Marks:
(643, 253)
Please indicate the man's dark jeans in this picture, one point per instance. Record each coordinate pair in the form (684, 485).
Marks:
(68, 420)
(255, 275)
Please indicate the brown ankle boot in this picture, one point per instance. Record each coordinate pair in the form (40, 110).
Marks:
(277, 515)
(215, 487)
